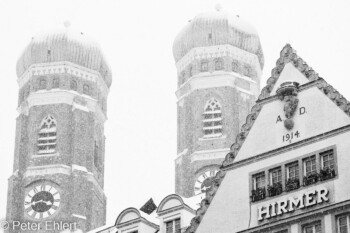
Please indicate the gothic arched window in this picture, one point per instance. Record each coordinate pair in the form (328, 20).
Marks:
(47, 136)
(219, 64)
(204, 66)
(212, 119)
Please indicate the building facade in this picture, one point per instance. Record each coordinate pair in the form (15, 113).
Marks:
(288, 171)
(219, 62)
(64, 82)
(173, 214)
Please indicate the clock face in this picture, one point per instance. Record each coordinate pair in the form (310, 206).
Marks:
(204, 181)
(42, 201)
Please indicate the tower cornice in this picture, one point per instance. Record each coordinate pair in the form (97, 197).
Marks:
(217, 51)
(64, 67)
(211, 80)
(59, 96)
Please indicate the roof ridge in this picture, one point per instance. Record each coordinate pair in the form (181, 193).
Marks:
(287, 54)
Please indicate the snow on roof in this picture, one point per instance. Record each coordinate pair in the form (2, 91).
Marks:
(233, 20)
(193, 202)
(64, 45)
(153, 217)
(66, 33)
(217, 28)
(103, 229)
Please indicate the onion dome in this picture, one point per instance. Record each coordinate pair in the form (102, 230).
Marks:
(217, 28)
(65, 45)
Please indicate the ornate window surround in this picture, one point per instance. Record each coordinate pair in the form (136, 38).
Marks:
(47, 136)
(212, 119)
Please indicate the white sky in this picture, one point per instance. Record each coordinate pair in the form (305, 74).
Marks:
(136, 37)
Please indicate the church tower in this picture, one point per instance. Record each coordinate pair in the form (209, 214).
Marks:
(58, 171)
(219, 62)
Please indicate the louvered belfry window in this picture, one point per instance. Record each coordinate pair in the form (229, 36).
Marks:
(47, 136)
(212, 119)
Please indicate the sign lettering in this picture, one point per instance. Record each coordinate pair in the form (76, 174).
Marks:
(302, 111)
(291, 204)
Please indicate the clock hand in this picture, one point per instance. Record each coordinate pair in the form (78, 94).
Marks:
(48, 202)
(42, 201)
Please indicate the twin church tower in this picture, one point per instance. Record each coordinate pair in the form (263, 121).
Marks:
(64, 80)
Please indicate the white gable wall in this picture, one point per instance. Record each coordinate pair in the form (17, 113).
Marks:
(129, 216)
(289, 73)
(171, 203)
(321, 115)
(144, 228)
(230, 209)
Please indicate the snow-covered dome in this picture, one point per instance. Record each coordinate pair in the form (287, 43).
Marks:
(217, 28)
(65, 45)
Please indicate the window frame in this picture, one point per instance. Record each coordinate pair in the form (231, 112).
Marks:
(46, 140)
(296, 172)
(212, 121)
(255, 182)
(314, 158)
(300, 174)
(235, 66)
(42, 83)
(173, 225)
(219, 65)
(322, 155)
(205, 64)
(86, 89)
(73, 85)
(279, 176)
(313, 225)
(347, 216)
(55, 83)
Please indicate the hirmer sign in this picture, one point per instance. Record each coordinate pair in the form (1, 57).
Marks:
(290, 204)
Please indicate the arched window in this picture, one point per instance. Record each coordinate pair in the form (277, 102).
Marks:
(73, 85)
(246, 70)
(47, 136)
(219, 64)
(42, 84)
(204, 66)
(235, 66)
(212, 120)
(86, 89)
(56, 83)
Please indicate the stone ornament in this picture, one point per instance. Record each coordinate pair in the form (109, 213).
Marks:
(288, 93)
(287, 55)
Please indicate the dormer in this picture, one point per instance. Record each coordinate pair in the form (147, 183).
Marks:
(175, 213)
(132, 220)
